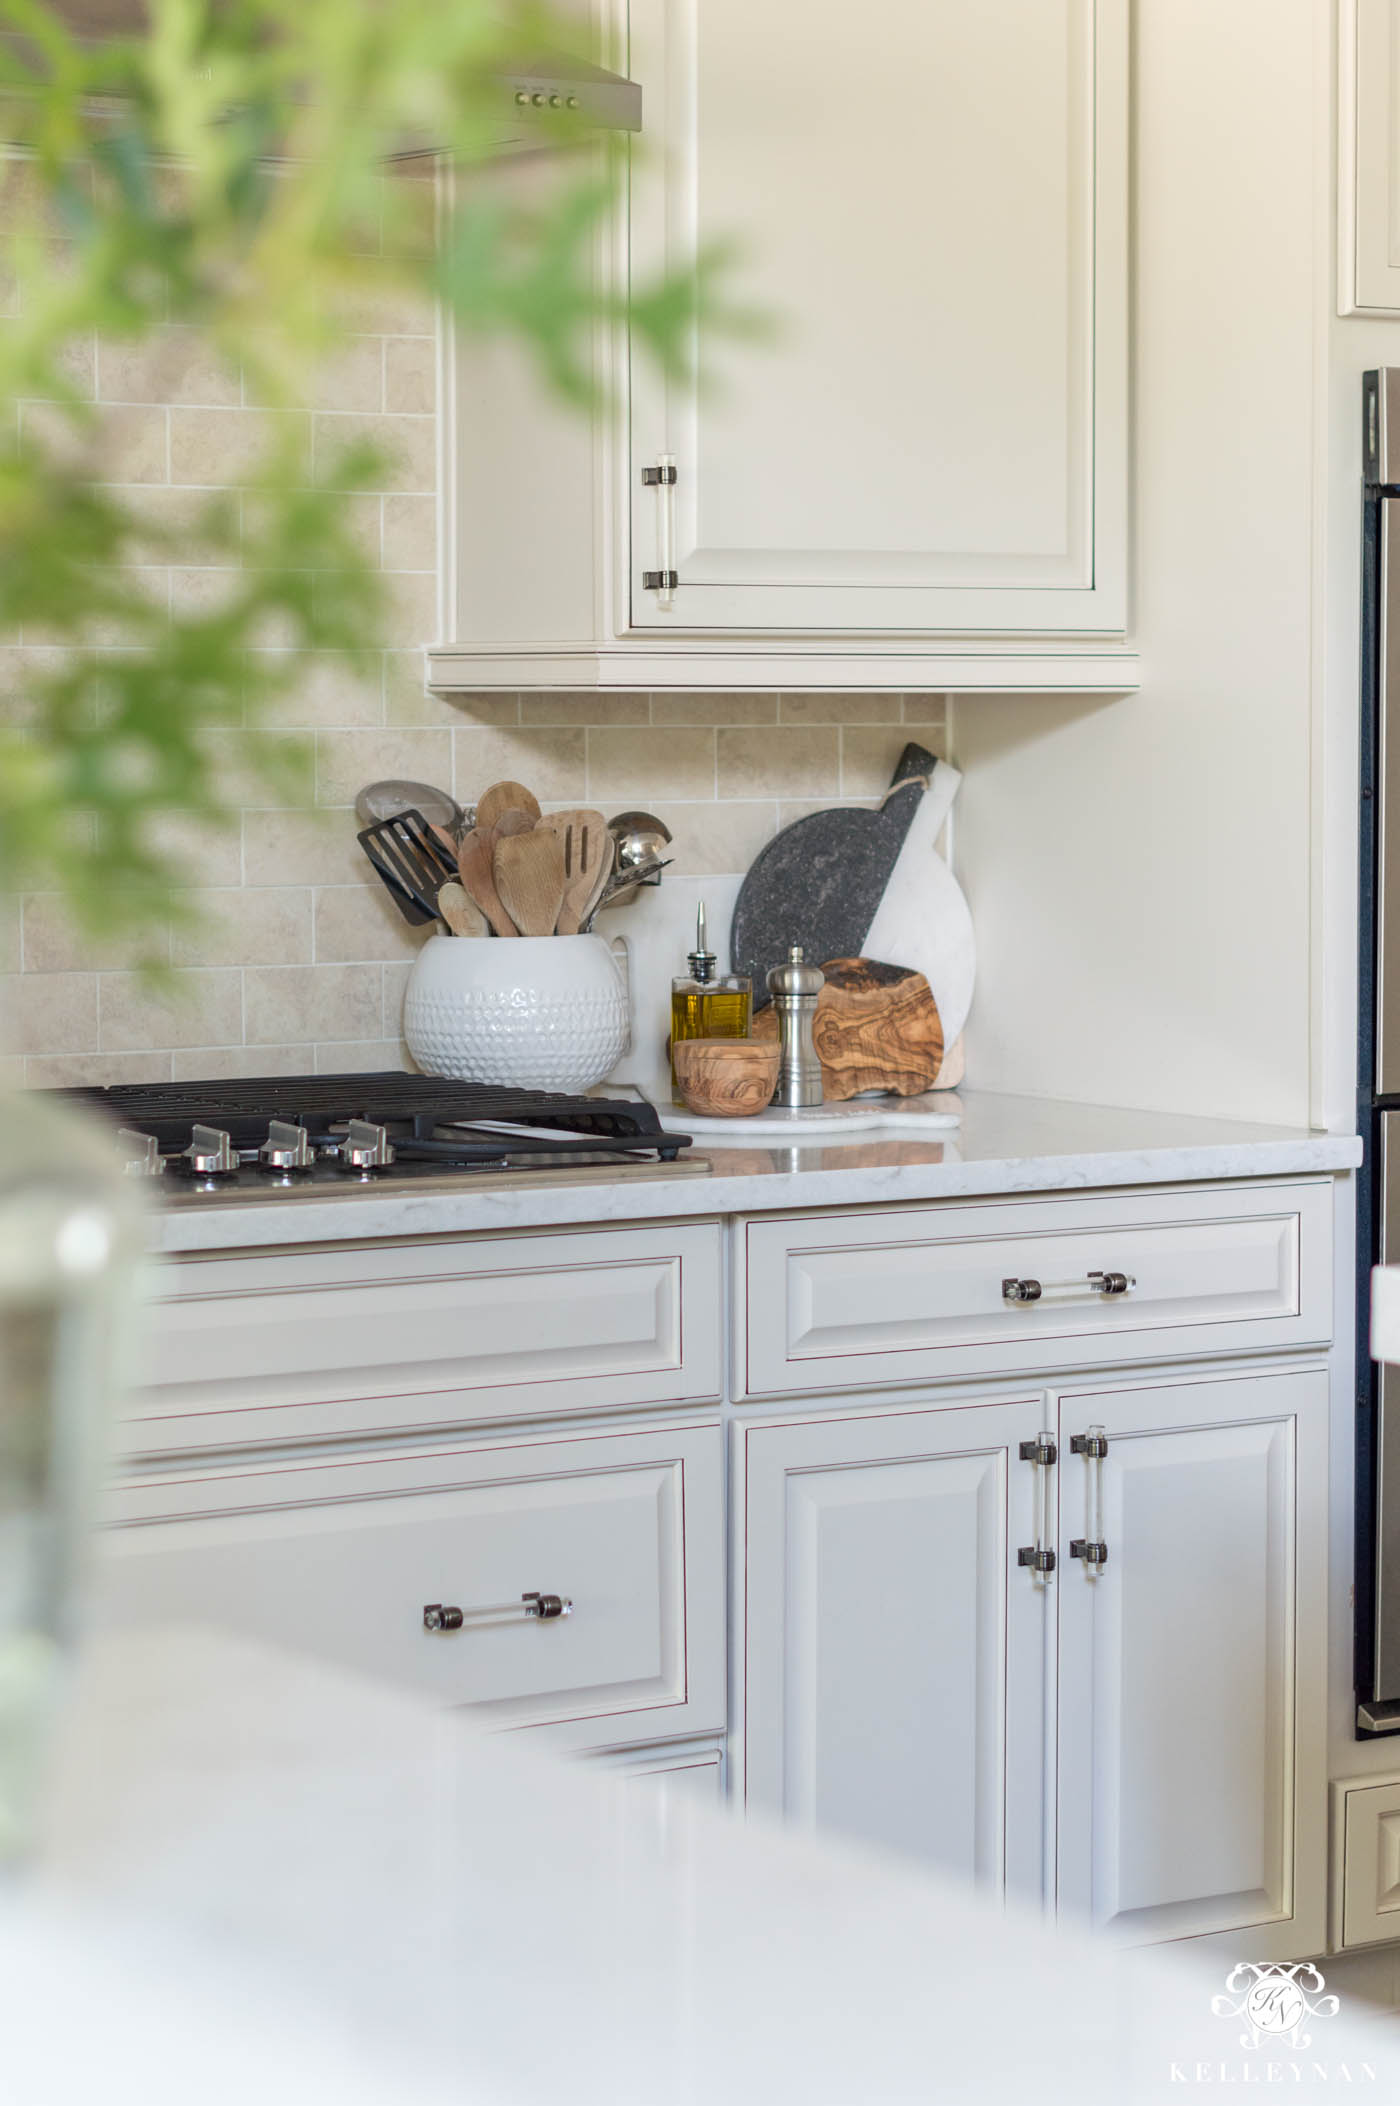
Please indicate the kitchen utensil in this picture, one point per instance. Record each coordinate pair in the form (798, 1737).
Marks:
(512, 821)
(588, 862)
(922, 921)
(818, 883)
(460, 911)
(641, 838)
(503, 797)
(544, 1013)
(794, 987)
(529, 872)
(385, 800)
(476, 868)
(876, 1027)
(412, 862)
(727, 1078)
(624, 885)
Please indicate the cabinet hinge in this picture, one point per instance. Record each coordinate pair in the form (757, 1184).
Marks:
(1090, 1553)
(1041, 1450)
(1094, 1445)
(1038, 1560)
(666, 473)
(660, 580)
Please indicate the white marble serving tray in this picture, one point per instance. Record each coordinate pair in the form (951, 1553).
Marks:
(927, 1113)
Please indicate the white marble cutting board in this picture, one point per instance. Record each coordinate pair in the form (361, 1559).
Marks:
(934, 1112)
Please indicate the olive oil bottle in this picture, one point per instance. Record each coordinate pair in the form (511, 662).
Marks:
(707, 1004)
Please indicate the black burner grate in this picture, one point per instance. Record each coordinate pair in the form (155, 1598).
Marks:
(415, 1108)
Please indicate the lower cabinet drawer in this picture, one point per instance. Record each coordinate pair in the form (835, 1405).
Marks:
(251, 1347)
(340, 1558)
(916, 1294)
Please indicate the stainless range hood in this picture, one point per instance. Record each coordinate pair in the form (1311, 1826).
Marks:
(530, 95)
(608, 101)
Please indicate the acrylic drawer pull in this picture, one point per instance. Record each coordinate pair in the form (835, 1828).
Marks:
(542, 1608)
(1107, 1286)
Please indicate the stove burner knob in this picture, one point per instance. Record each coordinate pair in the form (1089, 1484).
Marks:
(210, 1153)
(366, 1147)
(142, 1153)
(287, 1147)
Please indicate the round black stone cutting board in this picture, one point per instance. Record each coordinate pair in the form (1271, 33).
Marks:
(820, 880)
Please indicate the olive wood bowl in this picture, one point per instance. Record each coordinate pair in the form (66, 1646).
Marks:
(727, 1078)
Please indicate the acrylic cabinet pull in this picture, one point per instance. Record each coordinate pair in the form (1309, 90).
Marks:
(541, 1608)
(665, 578)
(1101, 1286)
(1091, 1548)
(1043, 1452)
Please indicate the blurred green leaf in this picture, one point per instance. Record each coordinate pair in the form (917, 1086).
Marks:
(225, 173)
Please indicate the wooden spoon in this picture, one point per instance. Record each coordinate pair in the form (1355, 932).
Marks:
(503, 797)
(460, 911)
(529, 871)
(512, 821)
(588, 860)
(476, 867)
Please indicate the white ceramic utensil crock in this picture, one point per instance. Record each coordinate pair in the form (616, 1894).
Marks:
(538, 1012)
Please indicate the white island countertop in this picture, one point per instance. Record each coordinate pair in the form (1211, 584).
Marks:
(1004, 1144)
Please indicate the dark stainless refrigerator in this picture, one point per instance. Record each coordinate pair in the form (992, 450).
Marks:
(1378, 1110)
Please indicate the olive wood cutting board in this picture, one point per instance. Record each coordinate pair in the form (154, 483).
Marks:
(876, 1027)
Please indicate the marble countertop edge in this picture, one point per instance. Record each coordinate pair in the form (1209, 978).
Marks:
(1005, 1146)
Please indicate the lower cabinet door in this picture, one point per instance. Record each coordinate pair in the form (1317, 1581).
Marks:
(1192, 1668)
(893, 1661)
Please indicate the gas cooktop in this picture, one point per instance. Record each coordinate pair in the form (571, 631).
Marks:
(312, 1135)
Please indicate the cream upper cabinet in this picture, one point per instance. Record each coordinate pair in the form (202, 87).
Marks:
(1368, 179)
(918, 476)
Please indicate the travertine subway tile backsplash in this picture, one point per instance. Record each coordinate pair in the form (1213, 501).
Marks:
(301, 960)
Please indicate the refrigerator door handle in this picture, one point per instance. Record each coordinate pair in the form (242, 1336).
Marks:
(1388, 830)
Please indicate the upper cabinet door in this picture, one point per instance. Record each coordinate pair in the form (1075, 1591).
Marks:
(1368, 182)
(1192, 1662)
(930, 201)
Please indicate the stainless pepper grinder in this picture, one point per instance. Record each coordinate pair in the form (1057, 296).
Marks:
(794, 988)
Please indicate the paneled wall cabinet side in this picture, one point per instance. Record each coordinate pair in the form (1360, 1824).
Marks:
(893, 1645)
(1368, 137)
(255, 1347)
(854, 1300)
(575, 1586)
(919, 479)
(1192, 1752)
(1365, 1862)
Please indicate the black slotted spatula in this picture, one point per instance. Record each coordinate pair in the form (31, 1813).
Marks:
(413, 862)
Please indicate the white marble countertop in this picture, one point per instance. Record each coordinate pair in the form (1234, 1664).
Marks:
(246, 1835)
(1004, 1144)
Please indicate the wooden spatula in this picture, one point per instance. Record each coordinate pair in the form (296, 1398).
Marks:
(504, 797)
(460, 911)
(529, 871)
(588, 860)
(476, 869)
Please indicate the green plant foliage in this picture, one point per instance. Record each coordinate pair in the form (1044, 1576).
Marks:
(226, 172)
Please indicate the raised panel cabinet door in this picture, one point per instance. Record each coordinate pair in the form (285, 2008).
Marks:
(893, 1659)
(932, 208)
(1368, 181)
(1192, 1666)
